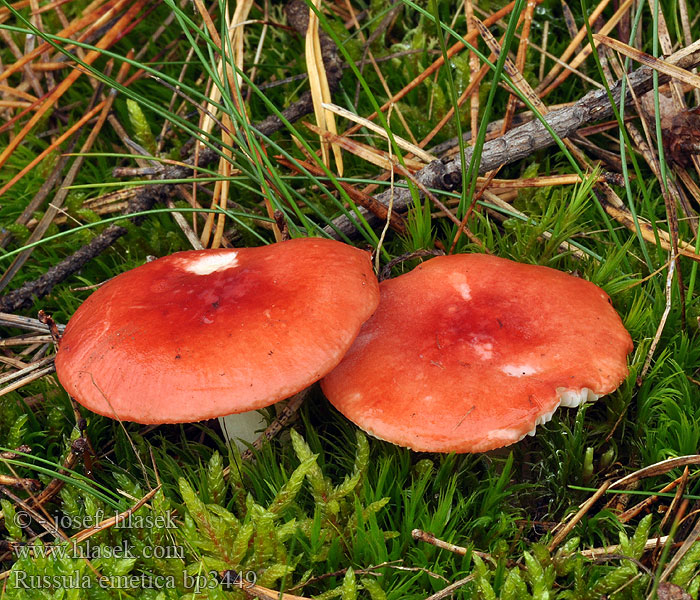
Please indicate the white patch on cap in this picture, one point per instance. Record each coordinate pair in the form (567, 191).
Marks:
(519, 370)
(206, 264)
(459, 282)
(573, 398)
(353, 398)
(506, 435)
(483, 351)
(465, 291)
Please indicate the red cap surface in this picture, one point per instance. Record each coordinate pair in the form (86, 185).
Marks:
(470, 352)
(207, 333)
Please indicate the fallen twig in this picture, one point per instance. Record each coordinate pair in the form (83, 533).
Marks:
(571, 523)
(423, 536)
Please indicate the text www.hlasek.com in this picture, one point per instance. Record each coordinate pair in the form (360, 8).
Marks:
(94, 551)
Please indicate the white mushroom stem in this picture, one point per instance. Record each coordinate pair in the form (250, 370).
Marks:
(243, 427)
(250, 426)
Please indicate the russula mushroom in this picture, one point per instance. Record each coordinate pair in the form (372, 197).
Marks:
(470, 352)
(206, 333)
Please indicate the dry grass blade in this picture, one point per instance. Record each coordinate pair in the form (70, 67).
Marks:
(543, 51)
(425, 536)
(679, 104)
(512, 70)
(632, 512)
(450, 589)
(657, 64)
(29, 369)
(369, 153)
(320, 91)
(20, 482)
(570, 21)
(623, 216)
(24, 340)
(474, 70)
(692, 538)
(235, 26)
(650, 544)
(368, 52)
(540, 181)
(426, 157)
(672, 509)
(81, 536)
(656, 469)
(520, 61)
(28, 323)
(209, 116)
(31, 373)
(664, 316)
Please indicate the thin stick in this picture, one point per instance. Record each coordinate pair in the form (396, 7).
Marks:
(571, 523)
(656, 469)
(662, 322)
(687, 544)
(400, 142)
(650, 544)
(424, 536)
(444, 593)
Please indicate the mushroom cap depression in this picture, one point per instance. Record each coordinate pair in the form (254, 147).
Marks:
(470, 352)
(207, 333)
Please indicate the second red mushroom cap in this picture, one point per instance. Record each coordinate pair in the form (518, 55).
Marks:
(471, 352)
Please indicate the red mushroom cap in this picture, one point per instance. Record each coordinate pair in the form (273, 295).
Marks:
(206, 333)
(470, 352)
